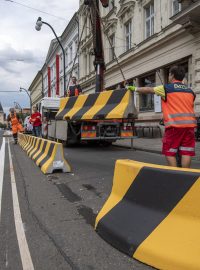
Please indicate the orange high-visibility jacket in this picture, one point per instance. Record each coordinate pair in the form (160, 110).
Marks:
(178, 107)
(16, 126)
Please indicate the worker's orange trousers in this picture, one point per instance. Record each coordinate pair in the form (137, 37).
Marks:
(17, 128)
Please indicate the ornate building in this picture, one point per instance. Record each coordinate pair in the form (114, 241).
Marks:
(147, 37)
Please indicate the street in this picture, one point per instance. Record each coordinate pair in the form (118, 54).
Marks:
(55, 228)
(58, 211)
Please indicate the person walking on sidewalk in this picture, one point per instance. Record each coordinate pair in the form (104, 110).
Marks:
(15, 121)
(35, 120)
(179, 117)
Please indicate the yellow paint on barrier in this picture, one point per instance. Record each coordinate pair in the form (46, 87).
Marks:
(175, 243)
(49, 162)
(32, 144)
(44, 154)
(36, 146)
(28, 144)
(39, 151)
(119, 110)
(77, 106)
(98, 105)
(63, 102)
(124, 176)
(27, 140)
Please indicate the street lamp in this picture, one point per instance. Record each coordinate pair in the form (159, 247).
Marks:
(38, 27)
(23, 89)
(17, 106)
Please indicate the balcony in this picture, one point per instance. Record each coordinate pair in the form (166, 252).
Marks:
(188, 17)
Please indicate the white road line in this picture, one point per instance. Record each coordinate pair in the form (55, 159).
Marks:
(2, 162)
(21, 237)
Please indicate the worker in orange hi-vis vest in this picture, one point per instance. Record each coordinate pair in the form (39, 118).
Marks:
(74, 89)
(15, 121)
(178, 115)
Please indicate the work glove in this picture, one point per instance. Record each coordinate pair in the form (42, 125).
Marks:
(132, 88)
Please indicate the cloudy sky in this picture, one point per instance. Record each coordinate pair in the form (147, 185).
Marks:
(22, 48)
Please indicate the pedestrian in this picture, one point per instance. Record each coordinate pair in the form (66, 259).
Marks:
(14, 120)
(178, 115)
(74, 88)
(35, 120)
(28, 127)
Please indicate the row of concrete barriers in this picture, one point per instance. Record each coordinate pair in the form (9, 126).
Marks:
(153, 215)
(48, 155)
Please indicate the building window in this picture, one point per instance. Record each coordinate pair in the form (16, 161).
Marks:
(86, 64)
(176, 7)
(66, 58)
(149, 20)
(70, 54)
(76, 45)
(112, 47)
(52, 73)
(61, 62)
(147, 101)
(128, 35)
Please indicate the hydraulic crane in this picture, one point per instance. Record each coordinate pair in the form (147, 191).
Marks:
(99, 62)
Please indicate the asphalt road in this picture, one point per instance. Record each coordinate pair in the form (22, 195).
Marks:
(58, 211)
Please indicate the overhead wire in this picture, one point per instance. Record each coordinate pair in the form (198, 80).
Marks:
(29, 7)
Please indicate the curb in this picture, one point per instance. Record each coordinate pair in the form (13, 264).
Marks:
(139, 149)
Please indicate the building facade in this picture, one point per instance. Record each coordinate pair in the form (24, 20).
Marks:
(147, 37)
(36, 88)
(53, 75)
(49, 81)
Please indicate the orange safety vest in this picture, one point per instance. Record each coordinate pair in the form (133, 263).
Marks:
(16, 126)
(178, 107)
(14, 120)
(76, 92)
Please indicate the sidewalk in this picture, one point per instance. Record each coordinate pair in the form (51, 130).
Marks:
(153, 145)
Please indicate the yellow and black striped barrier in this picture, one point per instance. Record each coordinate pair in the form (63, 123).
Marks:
(153, 215)
(112, 104)
(48, 155)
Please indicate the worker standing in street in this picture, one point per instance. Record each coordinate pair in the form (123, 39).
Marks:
(178, 114)
(74, 88)
(15, 121)
(35, 120)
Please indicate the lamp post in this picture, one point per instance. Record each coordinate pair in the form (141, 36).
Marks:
(17, 106)
(23, 89)
(38, 26)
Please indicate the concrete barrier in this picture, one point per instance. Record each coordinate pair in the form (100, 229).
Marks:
(153, 215)
(48, 155)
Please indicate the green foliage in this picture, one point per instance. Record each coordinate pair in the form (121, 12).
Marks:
(3, 125)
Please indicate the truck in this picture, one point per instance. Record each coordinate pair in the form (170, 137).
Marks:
(98, 117)
(103, 116)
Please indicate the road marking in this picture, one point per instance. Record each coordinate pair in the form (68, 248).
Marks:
(2, 162)
(21, 237)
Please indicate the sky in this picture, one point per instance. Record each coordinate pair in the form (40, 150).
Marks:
(23, 49)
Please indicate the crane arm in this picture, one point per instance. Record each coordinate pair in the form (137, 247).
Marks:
(99, 63)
